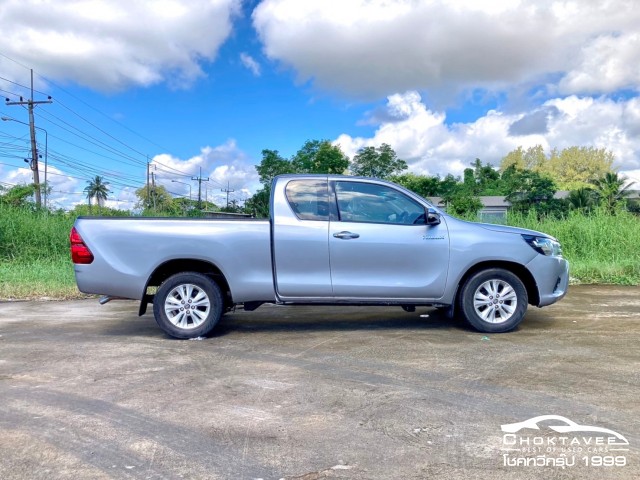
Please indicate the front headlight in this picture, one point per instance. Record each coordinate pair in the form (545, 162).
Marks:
(544, 245)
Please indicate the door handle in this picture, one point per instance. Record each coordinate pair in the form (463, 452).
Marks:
(346, 235)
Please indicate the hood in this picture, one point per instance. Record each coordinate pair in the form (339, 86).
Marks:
(515, 230)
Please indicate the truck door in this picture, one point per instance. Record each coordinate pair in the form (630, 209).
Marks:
(380, 247)
(300, 240)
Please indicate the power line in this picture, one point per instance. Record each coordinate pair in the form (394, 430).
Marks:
(14, 60)
(104, 145)
(102, 113)
(94, 141)
(9, 92)
(90, 173)
(100, 143)
(180, 172)
(87, 171)
(126, 158)
(171, 170)
(23, 86)
(83, 148)
(11, 165)
(87, 176)
(15, 139)
(103, 131)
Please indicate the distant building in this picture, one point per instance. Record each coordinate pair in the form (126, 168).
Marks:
(494, 208)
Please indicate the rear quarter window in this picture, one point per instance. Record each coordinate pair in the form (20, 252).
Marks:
(309, 199)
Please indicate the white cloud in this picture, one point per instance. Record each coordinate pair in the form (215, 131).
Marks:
(226, 167)
(430, 146)
(61, 182)
(65, 190)
(113, 44)
(125, 199)
(606, 64)
(634, 177)
(375, 47)
(601, 122)
(250, 63)
(19, 176)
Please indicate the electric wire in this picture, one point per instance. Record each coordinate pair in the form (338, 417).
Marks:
(105, 146)
(91, 139)
(23, 86)
(9, 92)
(101, 112)
(85, 168)
(14, 60)
(100, 129)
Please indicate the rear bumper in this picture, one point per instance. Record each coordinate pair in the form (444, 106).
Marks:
(104, 280)
(552, 278)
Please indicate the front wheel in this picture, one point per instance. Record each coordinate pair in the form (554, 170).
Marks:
(188, 305)
(493, 300)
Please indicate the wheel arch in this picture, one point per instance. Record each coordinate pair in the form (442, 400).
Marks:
(517, 269)
(180, 265)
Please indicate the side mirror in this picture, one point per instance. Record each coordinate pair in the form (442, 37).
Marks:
(433, 217)
(429, 217)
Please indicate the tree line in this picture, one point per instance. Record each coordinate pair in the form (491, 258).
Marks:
(527, 178)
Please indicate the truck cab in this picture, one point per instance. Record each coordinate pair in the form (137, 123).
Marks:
(356, 240)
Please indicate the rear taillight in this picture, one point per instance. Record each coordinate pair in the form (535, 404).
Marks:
(80, 253)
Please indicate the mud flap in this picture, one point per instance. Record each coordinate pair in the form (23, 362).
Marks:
(146, 300)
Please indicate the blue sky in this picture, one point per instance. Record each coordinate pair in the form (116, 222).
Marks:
(208, 84)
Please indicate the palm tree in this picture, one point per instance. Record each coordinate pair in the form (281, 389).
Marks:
(582, 199)
(611, 189)
(98, 189)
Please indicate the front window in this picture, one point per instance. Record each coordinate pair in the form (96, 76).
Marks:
(367, 202)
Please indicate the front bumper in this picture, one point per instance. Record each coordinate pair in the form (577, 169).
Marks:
(552, 278)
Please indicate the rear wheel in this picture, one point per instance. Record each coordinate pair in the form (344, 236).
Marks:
(188, 305)
(493, 300)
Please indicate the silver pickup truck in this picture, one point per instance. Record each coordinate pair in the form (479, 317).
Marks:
(329, 240)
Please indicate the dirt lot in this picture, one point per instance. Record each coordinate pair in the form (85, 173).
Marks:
(309, 393)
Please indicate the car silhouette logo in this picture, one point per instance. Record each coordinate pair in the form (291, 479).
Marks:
(568, 427)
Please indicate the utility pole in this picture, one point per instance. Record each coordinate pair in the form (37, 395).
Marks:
(148, 187)
(200, 180)
(34, 149)
(153, 182)
(227, 191)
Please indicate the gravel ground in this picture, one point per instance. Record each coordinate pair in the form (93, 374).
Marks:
(312, 393)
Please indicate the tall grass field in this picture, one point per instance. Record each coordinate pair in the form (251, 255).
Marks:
(34, 255)
(601, 248)
(35, 260)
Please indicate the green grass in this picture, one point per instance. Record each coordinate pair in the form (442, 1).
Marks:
(38, 279)
(601, 248)
(27, 236)
(35, 260)
(34, 255)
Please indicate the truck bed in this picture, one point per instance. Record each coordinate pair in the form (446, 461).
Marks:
(127, 251)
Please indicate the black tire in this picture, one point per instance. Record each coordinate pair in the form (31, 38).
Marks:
(188, 305)
(483, 307)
